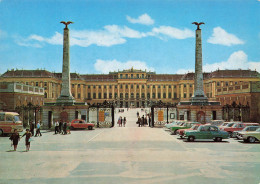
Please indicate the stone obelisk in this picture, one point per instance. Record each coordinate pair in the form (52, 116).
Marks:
(65, 97)
(198, 95)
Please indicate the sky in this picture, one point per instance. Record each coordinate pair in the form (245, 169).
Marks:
(112, 35)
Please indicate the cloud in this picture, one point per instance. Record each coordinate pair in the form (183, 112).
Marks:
(106, 66)
(110, 35)
(237, 60)
(220, 36)
(142, 19)
(172, 32)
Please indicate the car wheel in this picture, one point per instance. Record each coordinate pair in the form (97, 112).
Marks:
(191, 138)
(251, 139)
(1, 132)
(90, 127)
(218, 139)
(230, 134)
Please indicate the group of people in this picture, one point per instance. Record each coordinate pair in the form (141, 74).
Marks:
(62, 127)
(121, 121)
(38, 128)
(142, 121)
(15, 138)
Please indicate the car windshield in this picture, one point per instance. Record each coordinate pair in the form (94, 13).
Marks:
(224, 124)
(235, 125)
(16, 118)
(230, 124)
(195, 127)
(258, 130)
(245, 129)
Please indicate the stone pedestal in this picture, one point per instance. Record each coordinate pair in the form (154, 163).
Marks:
(197, 113)
(53, 112)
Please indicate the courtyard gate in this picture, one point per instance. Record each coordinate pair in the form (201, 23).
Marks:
(101, 114)
(163, 113)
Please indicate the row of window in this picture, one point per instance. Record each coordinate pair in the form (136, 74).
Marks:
(229, 83)
(126, 86)
(127, 95)
(126, 76)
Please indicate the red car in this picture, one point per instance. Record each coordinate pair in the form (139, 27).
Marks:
(81, 124)
(180, 132)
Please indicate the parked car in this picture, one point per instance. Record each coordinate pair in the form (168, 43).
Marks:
(81, 124)
(185, 125)
(237, 127)
(180, 132)
(227, 124)
(251, 136)
(174, 123)
(217, 122)
(206, 132)
(238, 134)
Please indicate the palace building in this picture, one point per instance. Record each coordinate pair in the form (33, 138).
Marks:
(236, 90)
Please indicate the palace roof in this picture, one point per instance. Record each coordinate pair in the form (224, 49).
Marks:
(234, 73)
(165, 77)
(190, 76)
(98, 77)
(27, 73)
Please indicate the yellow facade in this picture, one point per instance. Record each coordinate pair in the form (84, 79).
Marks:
(135, 88)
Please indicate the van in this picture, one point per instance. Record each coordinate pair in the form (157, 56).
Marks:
(10, 121)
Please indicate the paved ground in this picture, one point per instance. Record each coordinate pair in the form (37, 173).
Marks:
(128, 155)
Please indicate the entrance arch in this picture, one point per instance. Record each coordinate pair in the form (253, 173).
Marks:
(201, 117)
(64, 116)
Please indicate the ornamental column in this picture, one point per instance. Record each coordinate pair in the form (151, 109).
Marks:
(198, 78)
(65, 96)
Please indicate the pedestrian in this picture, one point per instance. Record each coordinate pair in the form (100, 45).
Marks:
(56, 124)
(32, 126)
(124, 121)
(38, 129)
(137, 114)
(145, 121)
(149, 116)
(65, 128)
(139, 121)
(142, 122)
(60, 127)
(68, 127)
(28, 136)
(15, 137)
(119, 121)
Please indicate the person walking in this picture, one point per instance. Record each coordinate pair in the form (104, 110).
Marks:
(38, 130)
(139, 121)
(60, 127)
(28, 136)
(15, 137)
(68, 127)
(124, 121)
(142, 122)
(56, 124)
(119, 121)
(65, 128)
(149, 116)
(32, 126)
